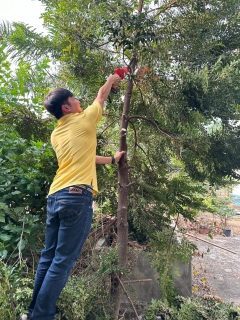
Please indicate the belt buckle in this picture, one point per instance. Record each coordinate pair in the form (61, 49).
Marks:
(75, 190)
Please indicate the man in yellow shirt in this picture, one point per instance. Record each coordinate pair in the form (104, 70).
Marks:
(69, 203)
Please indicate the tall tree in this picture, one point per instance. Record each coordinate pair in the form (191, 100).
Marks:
(184, 63)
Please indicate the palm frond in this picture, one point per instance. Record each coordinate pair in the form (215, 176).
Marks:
(5, 28)
(24, 42)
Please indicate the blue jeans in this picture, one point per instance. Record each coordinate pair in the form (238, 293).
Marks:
(69, 218)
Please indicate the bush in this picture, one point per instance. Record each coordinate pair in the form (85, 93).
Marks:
(192, 309)
(25, 174)
(87, 296)
(15, 291)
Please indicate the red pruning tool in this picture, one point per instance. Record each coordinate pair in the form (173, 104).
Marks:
(121, 72)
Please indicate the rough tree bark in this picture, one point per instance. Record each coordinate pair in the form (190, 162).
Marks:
(122, 223)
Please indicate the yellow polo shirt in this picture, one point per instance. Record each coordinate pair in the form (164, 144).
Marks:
(74, 142)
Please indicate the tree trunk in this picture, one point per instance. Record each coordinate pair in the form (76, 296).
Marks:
(122, 223)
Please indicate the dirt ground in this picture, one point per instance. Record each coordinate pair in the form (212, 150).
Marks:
(216, 264)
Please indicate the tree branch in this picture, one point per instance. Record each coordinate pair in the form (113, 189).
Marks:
(108, 127)
(164, 7)
(108, 50)
(135, 134)
(130, 184)
(140, 6)
(137, 145)
(165, 132)
(103, 44)
(125, 291)
(139, 91)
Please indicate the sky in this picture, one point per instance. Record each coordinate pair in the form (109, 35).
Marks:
(236, 190)
(27, 11)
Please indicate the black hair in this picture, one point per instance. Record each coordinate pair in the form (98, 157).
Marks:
(55, 99)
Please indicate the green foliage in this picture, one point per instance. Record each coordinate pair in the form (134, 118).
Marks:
(23, 87)
(87, 296)
(23, 38)
(26, 172)
(187, 78)
(159, 195)
(222, 207)
(107, 174)
(190, 52)
(168, 248)
(192, 309)
(15, 291)
(27, 160)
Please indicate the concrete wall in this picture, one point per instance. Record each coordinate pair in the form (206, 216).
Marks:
(145, 291)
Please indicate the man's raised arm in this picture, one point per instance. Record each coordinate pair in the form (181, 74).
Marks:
(104, 91)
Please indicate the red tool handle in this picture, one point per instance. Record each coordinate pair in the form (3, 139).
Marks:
(121, 73)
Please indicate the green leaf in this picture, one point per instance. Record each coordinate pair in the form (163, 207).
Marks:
(3, 254)
(18, 209)
(5, 237)
(3, 206)
(210, 235)
(23, 244)
(2, 216)
(16, 192)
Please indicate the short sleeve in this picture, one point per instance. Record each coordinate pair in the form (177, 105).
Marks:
(94, 112)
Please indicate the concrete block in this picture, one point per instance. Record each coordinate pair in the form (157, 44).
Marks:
(142, 284)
